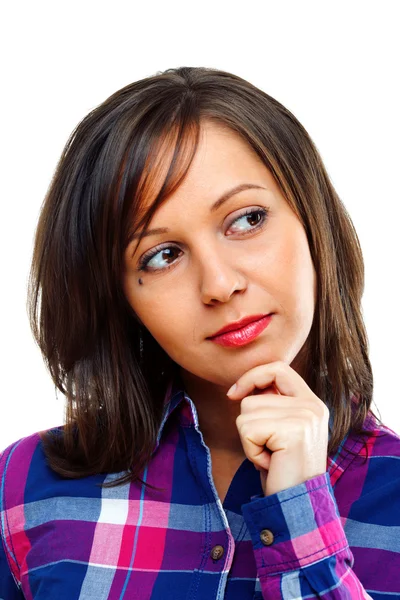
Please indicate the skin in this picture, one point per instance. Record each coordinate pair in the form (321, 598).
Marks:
(221, 271)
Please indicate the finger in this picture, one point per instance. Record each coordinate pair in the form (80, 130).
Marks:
(271, 389)
(268, 401)
(287, 381)
(254, 403)
(271, 412)
(254, 437)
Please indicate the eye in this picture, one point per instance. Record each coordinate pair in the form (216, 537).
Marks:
(165, 252)
(260, 215)
(162, 258)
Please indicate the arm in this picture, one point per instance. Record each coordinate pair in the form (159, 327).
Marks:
(9, 587)
(300, 547)
(9, 590)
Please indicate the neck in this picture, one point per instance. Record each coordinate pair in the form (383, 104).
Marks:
(217, 414)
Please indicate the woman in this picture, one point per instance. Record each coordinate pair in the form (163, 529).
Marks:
(191, 240)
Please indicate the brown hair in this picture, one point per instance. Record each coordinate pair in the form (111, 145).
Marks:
(87, 331)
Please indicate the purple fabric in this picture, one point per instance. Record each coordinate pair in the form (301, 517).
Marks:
(334, 536)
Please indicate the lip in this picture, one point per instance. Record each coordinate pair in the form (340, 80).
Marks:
(242, 332)
(235, 325)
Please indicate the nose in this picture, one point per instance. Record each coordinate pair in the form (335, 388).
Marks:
(220, 278)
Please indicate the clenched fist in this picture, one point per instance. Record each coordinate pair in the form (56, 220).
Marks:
(283, 426)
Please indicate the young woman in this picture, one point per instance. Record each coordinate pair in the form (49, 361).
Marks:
(196, 292)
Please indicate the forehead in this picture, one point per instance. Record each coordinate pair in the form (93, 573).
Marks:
(201, 175)
(223, 159)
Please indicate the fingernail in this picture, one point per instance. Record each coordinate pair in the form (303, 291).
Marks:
(232, 389)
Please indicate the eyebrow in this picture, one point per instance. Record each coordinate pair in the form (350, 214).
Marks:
(225, 196)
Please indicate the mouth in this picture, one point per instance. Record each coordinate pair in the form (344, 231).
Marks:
(242, 332)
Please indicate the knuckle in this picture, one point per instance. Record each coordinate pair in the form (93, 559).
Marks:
(245, 429)
(306, 414)
(246, 404)
(322, 410)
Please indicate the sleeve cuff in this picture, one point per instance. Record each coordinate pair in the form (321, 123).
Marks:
(295, 527)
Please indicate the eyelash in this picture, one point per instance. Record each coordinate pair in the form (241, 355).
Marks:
(146, 258)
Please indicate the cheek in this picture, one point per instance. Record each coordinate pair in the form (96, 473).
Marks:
(167, 321)
(163, 312)
(290, 272)
(303, 288)
(296, 259)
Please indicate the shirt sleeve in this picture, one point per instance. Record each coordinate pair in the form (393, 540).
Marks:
(299, 544)
(9, 588)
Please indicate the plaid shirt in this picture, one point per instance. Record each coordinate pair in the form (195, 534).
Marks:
(336, 535)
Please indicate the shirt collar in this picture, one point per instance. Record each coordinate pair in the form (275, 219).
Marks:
(173, 397)
(336, 463)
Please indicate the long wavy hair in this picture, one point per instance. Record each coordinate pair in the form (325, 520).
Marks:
(88, 333)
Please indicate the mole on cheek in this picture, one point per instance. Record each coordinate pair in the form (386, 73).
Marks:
(140, 282)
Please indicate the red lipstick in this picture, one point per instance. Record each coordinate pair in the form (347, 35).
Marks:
(242, 332)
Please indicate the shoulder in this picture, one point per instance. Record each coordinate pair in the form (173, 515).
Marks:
(24, 445)
(368, 499)
(18, 454)
(28, 483)
(383, 443)
(387, 440)
(371, 472)
(383, 460)
(19, 462)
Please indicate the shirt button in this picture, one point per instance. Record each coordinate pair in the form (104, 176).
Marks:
(217, 552)
(267, 537)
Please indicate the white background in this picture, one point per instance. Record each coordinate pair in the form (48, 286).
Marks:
(335, 65)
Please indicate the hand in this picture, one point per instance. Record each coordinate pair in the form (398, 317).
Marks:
(283, 426)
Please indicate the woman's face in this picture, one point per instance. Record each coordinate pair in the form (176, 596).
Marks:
(218, 264)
